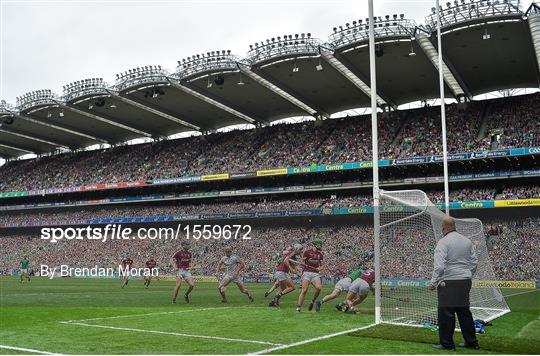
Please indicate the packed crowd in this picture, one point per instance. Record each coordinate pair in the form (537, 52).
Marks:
(401, 134)
(513, 248)
(421, 135)
(466, 194)
(519, 192)
(325, 200)
(512, 122)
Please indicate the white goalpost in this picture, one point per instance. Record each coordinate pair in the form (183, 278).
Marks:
(407, 226)
(375, 160)
(410, 227)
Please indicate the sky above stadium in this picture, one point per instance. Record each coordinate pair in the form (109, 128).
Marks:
(47, 44)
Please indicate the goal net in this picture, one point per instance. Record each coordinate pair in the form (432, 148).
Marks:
(410, 227)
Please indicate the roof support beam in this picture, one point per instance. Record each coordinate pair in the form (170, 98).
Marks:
(433, 55)
(534, 27)
(16, 148)
(60, 128)
(380, 94)
(338, 65)
(271, 85)
(100, 118)
(152, 110)
(192, 90)
(36, 139)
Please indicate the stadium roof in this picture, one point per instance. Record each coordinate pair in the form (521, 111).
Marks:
(487, 46)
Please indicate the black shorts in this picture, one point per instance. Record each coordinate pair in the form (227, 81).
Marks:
(454, 294)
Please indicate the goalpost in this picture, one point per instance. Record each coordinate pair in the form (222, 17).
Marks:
(407, 227)
(410, 227)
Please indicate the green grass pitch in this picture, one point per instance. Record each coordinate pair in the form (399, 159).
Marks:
(92, 316)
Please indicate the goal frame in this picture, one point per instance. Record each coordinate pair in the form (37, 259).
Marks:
(428, 205)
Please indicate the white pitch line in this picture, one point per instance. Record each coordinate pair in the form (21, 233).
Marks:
(176, 334)
(147, 314)
(519, 293)
(27, 350)
(303, 342)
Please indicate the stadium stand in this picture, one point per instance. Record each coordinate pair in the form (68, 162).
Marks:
(287, 145)
(247, 204)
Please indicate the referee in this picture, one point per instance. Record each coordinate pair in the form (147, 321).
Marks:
(454, 265)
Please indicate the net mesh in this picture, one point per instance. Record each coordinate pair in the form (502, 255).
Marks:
(410, 227)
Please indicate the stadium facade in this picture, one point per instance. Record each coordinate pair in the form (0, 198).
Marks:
(488, 46)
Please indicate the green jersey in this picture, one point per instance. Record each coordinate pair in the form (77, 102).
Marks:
(25, 263)
(355, 274)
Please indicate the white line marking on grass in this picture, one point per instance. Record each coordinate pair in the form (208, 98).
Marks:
(27, 350)
(147, 314)
(175, 334)
(303, 342)
(519, 293)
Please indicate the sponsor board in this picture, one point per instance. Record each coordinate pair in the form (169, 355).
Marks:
(176, 180)
(396, 282)
(187, 217)
(504, 284)
(214, 216)
(13, 194)
(421, 282)
(517, 202)
(201, 279)
(269, 214)
(202, 194)
(272, 172)
(499, 153)
(329, 167)
(242, 175)
(369, 164)
(475, 205)
(221, 176)
(305, 212)
(358, 210)
(413, 160)
(241, 215)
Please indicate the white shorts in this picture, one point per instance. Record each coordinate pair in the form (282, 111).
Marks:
(24, 270)
(280, 276)
(184, 273)
(359, 286)
(311, 276)
(343, 284)
(231, 278)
